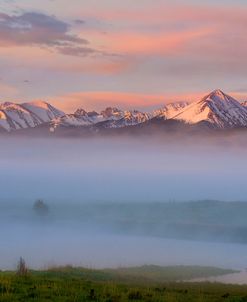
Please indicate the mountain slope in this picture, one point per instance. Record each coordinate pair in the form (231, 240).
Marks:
(80, 118)
(28, 115)
(108, 118)
(43, 111)
(128, 118)
(218, 109)
(170, 110)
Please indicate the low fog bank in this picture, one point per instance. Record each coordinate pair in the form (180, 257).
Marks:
(44, 248)
(123, 169)
(111, 202)
(207, 233)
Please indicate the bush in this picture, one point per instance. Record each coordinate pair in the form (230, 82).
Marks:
(22, 268)
(40, 207)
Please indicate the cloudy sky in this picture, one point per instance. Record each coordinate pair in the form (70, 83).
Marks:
(135, 54)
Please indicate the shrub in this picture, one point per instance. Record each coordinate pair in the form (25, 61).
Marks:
(40, 207)
(22, 268)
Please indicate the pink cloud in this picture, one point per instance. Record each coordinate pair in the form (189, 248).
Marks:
(155, 43)
(37, 58)
(97, 67)
(213, 33)
(172, 12)
(98, 100)
(206, 30)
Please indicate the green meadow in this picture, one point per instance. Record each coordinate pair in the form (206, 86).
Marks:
(146, 283)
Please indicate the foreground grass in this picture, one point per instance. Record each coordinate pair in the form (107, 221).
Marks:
(147, 274)
(70, 284)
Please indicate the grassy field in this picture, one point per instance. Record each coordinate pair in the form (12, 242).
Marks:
(147, 283)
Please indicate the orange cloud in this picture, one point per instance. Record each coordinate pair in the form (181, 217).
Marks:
(173, 29)
(188, 31)
(209, 34)
(155, 43)
(101, 99)
(98, 67)
(160, 13)
(40, 58)
(98, 100)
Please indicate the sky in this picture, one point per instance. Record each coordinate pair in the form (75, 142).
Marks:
(130, 54)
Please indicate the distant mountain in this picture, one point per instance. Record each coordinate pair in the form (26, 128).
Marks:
(28, 115)
(170, 110)
(216, 110)
(108, 118)
(80, 118)
(126, 119)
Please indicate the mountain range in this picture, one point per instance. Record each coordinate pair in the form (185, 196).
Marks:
(217, 110)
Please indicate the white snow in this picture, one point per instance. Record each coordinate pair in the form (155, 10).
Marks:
(170, 110)
(114, 117)
(217, 108)
(20, 116)
(3, 121)
(43, 111)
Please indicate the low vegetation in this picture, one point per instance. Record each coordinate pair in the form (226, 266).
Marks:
(22, 269)
(40, 207)
(153, 284)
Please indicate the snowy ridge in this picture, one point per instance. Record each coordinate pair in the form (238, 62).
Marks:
(218, 109)
(83, 118)
(43, 111)
(128, 118)
(170, 110)
(108, 118)
(28, 115)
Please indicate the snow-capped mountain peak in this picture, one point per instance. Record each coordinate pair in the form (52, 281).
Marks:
(218, 96)
(108, 118)
(27, 115)
(80, 112)
(112, 113)
(218, 92)
(218, 109)
(169, 110)
(6, 104)
(43, 111)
